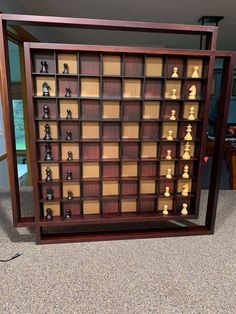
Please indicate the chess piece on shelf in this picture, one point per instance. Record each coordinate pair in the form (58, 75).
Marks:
(69, 195)
(48, 152)
(195, 72)
(45, 89)
(185, 174)
(168, 154)
(175, 72)
(172, 115)
(184, 210)
(69, 175)
(168, 173)
(69, 114)
(191, 113)
(48, 174)
(192, 92)
(68, 135)
(186, 154)
(69, 156)
(185, 189)
(173, 94)
(165, 210)
(66, 68)
(46, 112)
(169, 135)
(49, 213)
(67, 214)
(44, 67)
(49, 194)
(47, 132)
(68, 92)
(167, 191)
(188, 136)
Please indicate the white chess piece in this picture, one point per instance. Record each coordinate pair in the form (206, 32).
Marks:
(168, 154)
(168, 173)
(173, 94)
(185, 174)
(165, 210)
(191, 113)
(186, 154)
(185, 189)
(184, 210)
(188, 136)
(167, 191)
(193, 92)
(172, 115)
(195, 72)
(169, 135)
(175, 72)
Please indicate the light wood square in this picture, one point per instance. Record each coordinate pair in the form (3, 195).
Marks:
(132, 88)
(68, 104)
(53, 129)
(167, 126)
(147, 187)
(91, 207)
(111, 65)
(192, 149)
(90, 130)
(69, 147)
(55, 207)
(128, 205)
(153, 66)
(70, 59)
(90, 170)
(51, 82)
(110, 150)
(89, 87)
(110, 188)
(170, 85)
(111, 109)
(73, 186)
(54, 170)
(130, 130)
(129, 169)
(187, 106)
(164, 201)
(181, 182)
(149, 150)
(191, 64)
(151, 110)
(164, 165)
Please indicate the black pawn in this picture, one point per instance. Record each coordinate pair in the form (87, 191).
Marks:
(69, 175)
(69, 195)
(69, 156)
(49, 194)
(66, 68)
(45, 112)
(44, 67)
(47, 132)
(48, 155)
(45, 88)
(49, 214)
(68, 92)
(67, 214)
(48, 174)
(68, 136)
(69, 114)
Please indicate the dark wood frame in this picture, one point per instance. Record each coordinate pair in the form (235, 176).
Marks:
(229, 60)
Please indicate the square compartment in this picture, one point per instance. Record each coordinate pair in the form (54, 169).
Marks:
(151, 110)
(69, 147)
(132, 88)
(111, 87)
(175, 62)
(90, 130)
(153, 66)
(110, 150)
(67, 81)
(147, 205)
(42, 151)
(90, 151)
(54, 170)
(44, 55)
(129, 187)
(164, 165)
(129, 169)
(180, 167)
(68, 58)
(130, 130)
(89, 87)
(71, 126)
(180, 184)
(90, 189)
(169, 126)
(183, 130)
(152, 88)
(164, 201)
(90, 109)
(148, 169)
(166, 183)
(110, 188)
(187, 107)
(199, 89)
(110, 170)
(191, 64)
(128, 205)
(110, 206)
(52, 105)
(89, 63)
(167, 107)
(130, 150)
(170, 85)
(72, 186)
(147, 186)
(74, 168)
(192, 149)
(168, 146)
(111, 130)
(90, 170)
(69, 104)
(91, 207)
(131, 110)
(133, 65)
(150, 130)
(111, 65)
(50, 80)
(75, 208)
(111, 109)
(149, 150)
(55, 190)
(53, 129)
(55, 207)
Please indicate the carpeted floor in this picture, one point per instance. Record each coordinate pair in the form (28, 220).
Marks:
(166, 275)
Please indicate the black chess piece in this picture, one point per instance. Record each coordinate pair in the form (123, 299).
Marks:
(48, 155)
(49, 194)
(45, 112)
(66, 68)
(69, 156)
(67, 214)
(69, 175)
(45, 89)
(69, 195)
(69, 114)
(48, 174)
(49, 213)
(68, 92)
(47, 131)
(44, 67)
(68, 135)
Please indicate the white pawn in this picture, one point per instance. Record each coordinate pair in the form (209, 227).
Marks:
(168, 173)
(185, 174)
(186, 154)
(188, 136)
(172, 115)
(173, 94)
(167, 191)
(184, 210)
(175, 72)
(195, 72)
(165, 210)
(185, 189)
(191, 113)
(170, 135)
(168, 154)
(192, 92)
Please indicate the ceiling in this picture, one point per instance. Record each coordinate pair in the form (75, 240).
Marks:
(168, 11)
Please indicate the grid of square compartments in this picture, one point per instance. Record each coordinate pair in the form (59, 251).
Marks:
(122, 109)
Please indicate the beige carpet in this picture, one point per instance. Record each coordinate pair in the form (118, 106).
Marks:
(166, 275)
